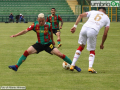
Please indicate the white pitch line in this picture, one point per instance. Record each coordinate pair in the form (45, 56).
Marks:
(81, 23)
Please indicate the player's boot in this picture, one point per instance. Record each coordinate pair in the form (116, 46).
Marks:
(59, 45)
(75, 67)
(13, 67)
(72, 68)
(91, 70)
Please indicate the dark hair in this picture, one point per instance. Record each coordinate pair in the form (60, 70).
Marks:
(53, 8)
(102, 8)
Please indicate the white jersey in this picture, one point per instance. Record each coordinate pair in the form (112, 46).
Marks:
(97, 20)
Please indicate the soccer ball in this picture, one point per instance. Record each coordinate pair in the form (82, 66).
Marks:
(65, 65)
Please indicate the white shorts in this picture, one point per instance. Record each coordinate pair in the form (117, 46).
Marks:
(89, 35)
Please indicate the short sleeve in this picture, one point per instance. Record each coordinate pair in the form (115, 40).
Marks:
(88, 13)
(31, 27)
(59, 18)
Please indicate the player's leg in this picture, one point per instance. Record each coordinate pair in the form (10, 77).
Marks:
(76, 56)
(59, 54)
(52, 50)
(58, 38)
(91, 45)
(27, 52)
(64, 57)
(82, 41)
(30, 50)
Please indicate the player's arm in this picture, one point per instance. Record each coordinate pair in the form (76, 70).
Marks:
(77, 21)
(20, 33)
(60, 19)
(104, 37)
(105, 33)
(24, 31)
(61, 25)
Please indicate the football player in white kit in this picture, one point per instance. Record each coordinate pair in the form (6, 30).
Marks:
(89, 32)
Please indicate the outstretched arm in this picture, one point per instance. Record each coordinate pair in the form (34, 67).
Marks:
(77, 21)
(24, 31)
(104, 37)
(20, 33)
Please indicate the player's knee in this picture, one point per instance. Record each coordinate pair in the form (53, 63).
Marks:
(26, 53)
(77, 53)
(59, 54)
(58, 33)
(31, 50)
(92, 53)
(82, 45)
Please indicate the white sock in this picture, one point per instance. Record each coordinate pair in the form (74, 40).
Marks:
(76, 56)
(91, 60)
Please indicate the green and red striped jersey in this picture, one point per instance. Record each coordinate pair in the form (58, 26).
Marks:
(54, 20)
(43, 32)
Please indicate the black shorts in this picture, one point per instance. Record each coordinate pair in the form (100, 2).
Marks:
(55, 31)
(47, 47)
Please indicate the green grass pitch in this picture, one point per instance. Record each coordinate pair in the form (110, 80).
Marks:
(44, 71)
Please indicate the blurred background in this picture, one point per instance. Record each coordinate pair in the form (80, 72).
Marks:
(67, 9)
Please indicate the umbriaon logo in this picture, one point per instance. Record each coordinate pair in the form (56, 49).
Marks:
(105, 3)
(114, 4)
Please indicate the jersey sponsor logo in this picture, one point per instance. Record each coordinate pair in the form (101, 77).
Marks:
(44, 31)
(38, 31)
(53, 21)
(41, 31)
